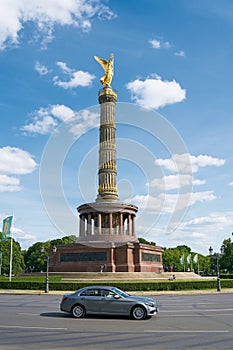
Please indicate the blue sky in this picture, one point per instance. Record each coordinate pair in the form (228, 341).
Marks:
(173, 75)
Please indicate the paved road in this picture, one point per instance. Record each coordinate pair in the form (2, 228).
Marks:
(185, 322)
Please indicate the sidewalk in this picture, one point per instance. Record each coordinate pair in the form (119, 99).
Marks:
(154, 293)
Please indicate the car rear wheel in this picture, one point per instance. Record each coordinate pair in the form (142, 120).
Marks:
(78, 311)
(138, 313)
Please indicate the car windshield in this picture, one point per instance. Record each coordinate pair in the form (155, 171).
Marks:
(120, 292)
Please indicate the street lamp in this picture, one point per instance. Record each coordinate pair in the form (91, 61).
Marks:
(217, 256)
(47, 257)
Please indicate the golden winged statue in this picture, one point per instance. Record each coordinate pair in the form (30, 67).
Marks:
(108, 68)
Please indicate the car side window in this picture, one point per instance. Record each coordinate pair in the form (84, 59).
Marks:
(91, 293)
(107, 293)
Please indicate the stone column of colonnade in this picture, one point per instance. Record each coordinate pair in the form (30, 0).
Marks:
(92, 225)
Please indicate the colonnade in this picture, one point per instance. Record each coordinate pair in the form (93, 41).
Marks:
(96, 223)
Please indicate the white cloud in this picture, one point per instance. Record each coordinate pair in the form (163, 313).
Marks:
(62, 112)
(214, 222)
(19, 234)
(204, 196)
(45, 15)
(45, 120)
(167, 203)
(159, 44)
(176, 181)
(179, 162)
(16, 161)
(65, 69)
(199, 232)
(214, 218)
(180, 53)
(9, 184)
(86, 120)
(41, 69)
(76, 78)
(40, 125)
(198, 182)
(185, 200)
(154, 93)
(174, 204)
(231, 183)
(155, 43)
(204, 160)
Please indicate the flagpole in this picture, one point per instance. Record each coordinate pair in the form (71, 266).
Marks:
(11, 253)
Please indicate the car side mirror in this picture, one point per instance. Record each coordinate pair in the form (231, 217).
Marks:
(116, 296)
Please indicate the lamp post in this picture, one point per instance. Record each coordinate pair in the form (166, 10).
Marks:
(47, 257)
(217, 256)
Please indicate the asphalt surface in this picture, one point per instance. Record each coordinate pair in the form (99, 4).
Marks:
(192, 321)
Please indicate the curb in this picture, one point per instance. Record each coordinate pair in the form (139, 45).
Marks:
(154, 293)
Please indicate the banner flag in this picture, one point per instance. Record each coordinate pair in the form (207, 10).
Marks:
(6, 228)
(195, 258)
(189, 259)
(182, 260)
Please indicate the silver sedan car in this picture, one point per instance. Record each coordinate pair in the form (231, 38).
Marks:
(108, 300)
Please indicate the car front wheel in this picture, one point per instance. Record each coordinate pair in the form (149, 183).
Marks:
(138, 313)
(78, 311)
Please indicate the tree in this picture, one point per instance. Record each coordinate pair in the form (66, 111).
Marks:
(64, 240)
(172, 257)
(17, 257)
(226, 262)
(35, 260)
(143, 240)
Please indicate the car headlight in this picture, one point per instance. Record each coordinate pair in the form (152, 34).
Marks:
(150, 304)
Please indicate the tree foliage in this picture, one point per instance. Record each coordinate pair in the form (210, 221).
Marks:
(35, 259)
(64, 240)
(17, 257)
(226, 262)
(182, 259)
(143, 240)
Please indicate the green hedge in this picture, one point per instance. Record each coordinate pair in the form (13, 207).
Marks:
(227, 276)
(128, 286)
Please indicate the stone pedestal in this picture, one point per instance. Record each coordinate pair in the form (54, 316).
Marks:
(108, 257)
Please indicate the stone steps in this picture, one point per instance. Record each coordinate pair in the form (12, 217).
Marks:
(127, 276)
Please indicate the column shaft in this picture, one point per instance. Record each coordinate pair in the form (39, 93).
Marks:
(110, 223)
(89, 225)
(99, 224)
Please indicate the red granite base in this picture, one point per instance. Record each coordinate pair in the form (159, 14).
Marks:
(128, 257)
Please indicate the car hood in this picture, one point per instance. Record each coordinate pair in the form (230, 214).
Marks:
(142, 299)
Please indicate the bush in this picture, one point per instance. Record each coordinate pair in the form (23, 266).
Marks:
(127, 286)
